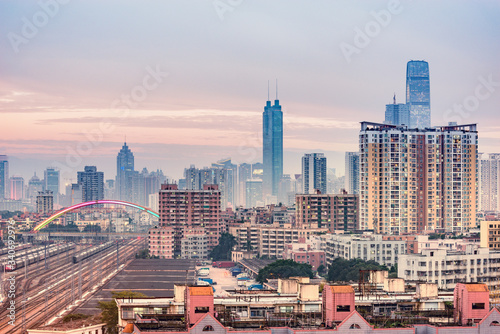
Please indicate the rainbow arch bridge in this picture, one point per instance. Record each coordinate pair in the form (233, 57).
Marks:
(81, 205)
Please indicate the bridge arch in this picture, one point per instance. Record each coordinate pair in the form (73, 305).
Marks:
(81, 205)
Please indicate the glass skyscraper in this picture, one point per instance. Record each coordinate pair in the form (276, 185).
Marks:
(272, 129)
(51, 182)
(418, 94)
(4, 177)
(124, 174)
(397, 113)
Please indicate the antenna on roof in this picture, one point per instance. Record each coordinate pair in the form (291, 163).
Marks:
(268, 90)
(276, 89)
(394, 99)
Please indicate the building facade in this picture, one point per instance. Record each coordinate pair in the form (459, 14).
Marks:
(45, 202)
(190, 209)
(194, 244)
(17, 188)
(412, 180)
(418, 97)
(447, 268)
(4, 177)
(161, 242)
(51, 179)
(314, 173)
(124, 174)
(272, 129)
(489, 183)
(334, 212)
(352, 172)
(397, 113)
(92, 183)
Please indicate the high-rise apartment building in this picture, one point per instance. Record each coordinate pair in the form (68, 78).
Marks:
(4, 177)
(51, 182)
(124, 174)
(35, 185)
(412, 180)
(17, 188)
(188, 209)
(272, 130)
(333, 211)
(92, 183)
(397, 113)
(253, 191)
(418, 94)
(314, 173)
(352, 172)
(489, 187)
(45, 202)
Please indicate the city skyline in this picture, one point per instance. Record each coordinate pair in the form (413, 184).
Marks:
(189, 118)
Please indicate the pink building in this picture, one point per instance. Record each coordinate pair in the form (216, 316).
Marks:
(302, 253)
(189, 209)
(161, 242)
(471, 301)
(199, 302)
(338, 303)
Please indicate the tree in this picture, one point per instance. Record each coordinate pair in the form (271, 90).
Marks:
(348, 270)
(321, 269)
(143, 254)
(284, 269)
(92, 228)
(61, 228)
(109, 310)
(223, 250)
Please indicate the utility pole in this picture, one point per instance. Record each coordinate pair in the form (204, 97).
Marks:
(80, 280)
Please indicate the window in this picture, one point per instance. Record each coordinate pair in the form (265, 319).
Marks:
(495, 323)
(355, 326)
(343, 308)
(201, 309)
(478, 306)
(208, 328)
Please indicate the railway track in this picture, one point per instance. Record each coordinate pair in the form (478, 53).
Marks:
(61, 287)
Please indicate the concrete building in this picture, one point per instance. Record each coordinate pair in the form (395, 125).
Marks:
(490, 234)
(397, 113)
(413, 180)
(194, 244)
(352, 172)
(4, 177)
(253, 191)
(45, 202)
(338, 303)
(190, 209)
(314, 173)
(447, 268)
(365, 247)
(335, 212)
(92, 183)
(17, 188)
(161, 242)
(472, 303)
(305, 253)
(489, 182)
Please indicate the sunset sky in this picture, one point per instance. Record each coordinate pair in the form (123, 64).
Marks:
(186, 81)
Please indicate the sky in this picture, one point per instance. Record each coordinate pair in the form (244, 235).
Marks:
(185, 82)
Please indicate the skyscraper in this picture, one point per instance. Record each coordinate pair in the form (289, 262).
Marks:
(272, 129)
(4, 177)
(314, 173)
(124, 174)
(418, 94)
(413, 180)
(92, 183)
(397, 113)
(489, 184)
(16, 188)
(51, 182)
(35, 185)
(352, 172)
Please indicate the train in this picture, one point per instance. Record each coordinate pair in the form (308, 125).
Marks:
(5, 250)
(92, 251)
(37, 255)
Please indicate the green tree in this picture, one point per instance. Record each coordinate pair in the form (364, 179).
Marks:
(348, 270)
(321, 269)
(143, 254)
(75, 316)
(223, 250)
(92, 228)
(284, 269)
(109, 310)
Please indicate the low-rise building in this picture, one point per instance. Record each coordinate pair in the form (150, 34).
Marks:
(447, 268)
(365, 247)
(490, 234)
(305, 253)
(161, 241)
(194, 244)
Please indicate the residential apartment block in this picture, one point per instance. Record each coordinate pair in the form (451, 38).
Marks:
(191, 209)
(447, 268)
(334, 212)
(413, 180)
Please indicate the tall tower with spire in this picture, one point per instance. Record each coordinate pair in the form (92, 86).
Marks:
(272, 131)
(124, 174)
